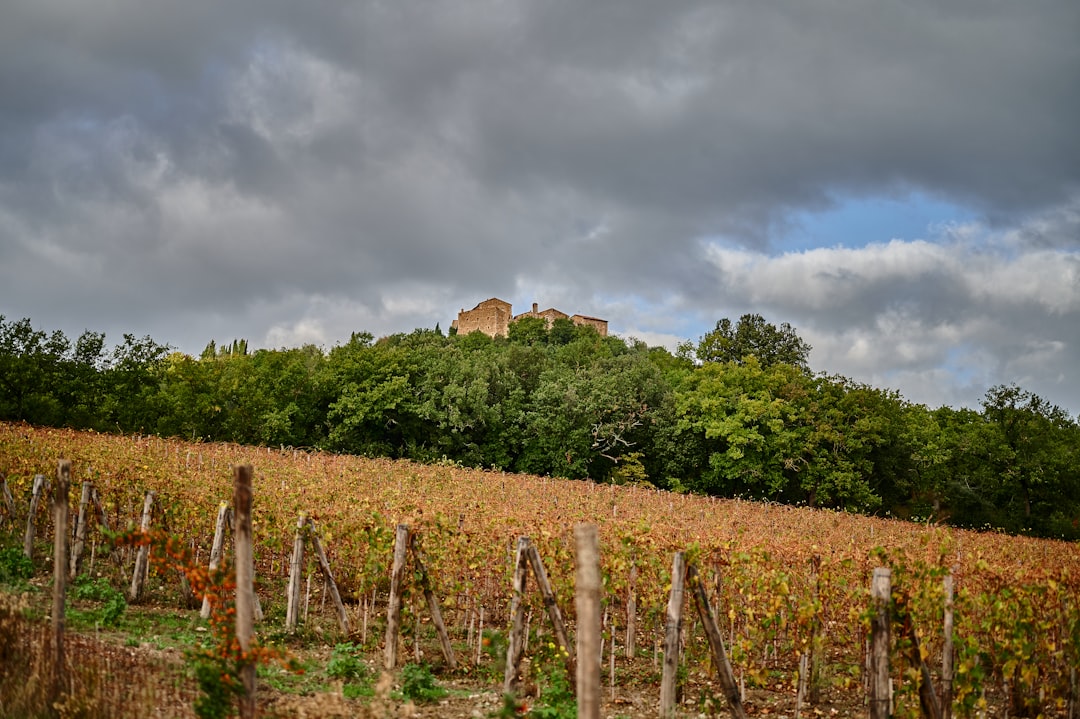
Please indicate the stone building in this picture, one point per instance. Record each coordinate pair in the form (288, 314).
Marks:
(493, 318)
(549, 315)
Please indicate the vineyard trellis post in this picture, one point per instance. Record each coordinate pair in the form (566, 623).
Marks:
(40, 484)
(515, 646)
(393, 606)
(80, 530)
(947, 650)
(928, 700)
(552, 606)
(672, 630)
(9, 502)
(328, 575)
(245, 592)
(587, 602)
(432, 601)
(142, 557)
(60, 522)
(813, 669)
(296, 569)
(880, 593)
(716, 644)
(631, 613)
(216, 549)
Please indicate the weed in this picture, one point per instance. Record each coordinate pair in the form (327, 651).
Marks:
(556, 699)
(419, 685)
(15, 568)
(345, 664)
(112, 603)
(219, 685)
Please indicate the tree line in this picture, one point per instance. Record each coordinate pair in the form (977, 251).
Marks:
(738, 414)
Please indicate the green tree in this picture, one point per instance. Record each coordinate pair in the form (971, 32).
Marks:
(752, 336)
(583, 419)
(131, 384)
(528, 331)
(1033, 457)
(739, 417)
(31, 368)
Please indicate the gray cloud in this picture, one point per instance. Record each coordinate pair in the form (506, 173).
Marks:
(295, 172)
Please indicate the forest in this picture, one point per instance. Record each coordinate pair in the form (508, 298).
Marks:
(737, 414)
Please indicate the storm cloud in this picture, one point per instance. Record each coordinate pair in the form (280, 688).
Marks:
(291, 173)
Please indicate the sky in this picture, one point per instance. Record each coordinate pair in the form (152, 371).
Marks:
(898, 180)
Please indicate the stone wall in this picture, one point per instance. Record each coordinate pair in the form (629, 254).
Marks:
(493, 318)
(599, 324)
(549, 315)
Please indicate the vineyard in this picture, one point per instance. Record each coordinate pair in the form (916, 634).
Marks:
(784, 581)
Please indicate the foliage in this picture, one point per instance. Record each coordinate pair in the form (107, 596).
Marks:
(217, 666)
(14, 566)
(752, 336)
(112, 602)
(346, 664)
(1015, 596)
(418, 684)
(556, 700)
(748, 419)
(219, 686)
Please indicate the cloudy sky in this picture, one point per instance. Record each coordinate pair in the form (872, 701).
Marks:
(899, 180)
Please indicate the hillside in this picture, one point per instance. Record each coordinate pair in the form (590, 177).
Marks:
(757, 558)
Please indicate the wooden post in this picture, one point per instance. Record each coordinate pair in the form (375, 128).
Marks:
(31, 530)
(433, 603)
(328, 575)
(245, 592)
(60, 530)
(947, 651)
(800, 694)
(515, 647)
(393, 606)
(587, 603)
(928, 700)
(80, 530)
(552, 606)
(99, 511)
(296, 568)
(672, 629)
(813, 673)
(631, 614)
(880, 593)
(142, 557)
(716, 643)
(480, 637)
(9, 503)
(216, 550)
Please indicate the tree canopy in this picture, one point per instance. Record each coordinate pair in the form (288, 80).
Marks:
(747, 419)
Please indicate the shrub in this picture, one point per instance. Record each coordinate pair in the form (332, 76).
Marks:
(344, 664)
(419, 685)
(14, 566)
